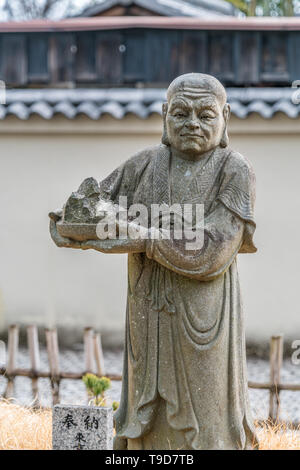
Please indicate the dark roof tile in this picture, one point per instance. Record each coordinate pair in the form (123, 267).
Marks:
(141, 102)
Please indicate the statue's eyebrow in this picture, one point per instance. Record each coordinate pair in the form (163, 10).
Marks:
(180, 102)
(208, 105)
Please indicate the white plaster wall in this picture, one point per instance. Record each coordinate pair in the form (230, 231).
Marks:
(42, 163)
(270, 279)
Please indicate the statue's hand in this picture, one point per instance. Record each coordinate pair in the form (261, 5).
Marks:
(59, 240)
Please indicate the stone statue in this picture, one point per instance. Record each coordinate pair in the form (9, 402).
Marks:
(184, 376)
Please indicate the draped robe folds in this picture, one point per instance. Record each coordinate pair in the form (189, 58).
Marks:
(184, 375)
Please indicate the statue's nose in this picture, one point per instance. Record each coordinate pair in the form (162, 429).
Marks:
(193, 124)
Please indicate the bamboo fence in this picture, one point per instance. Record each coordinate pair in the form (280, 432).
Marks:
(94, 363)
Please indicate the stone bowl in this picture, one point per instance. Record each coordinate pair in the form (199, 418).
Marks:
(77, 232)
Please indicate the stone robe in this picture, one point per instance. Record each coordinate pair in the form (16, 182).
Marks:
(184, 376)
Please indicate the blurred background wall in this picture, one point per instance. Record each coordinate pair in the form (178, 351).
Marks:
(42, 164)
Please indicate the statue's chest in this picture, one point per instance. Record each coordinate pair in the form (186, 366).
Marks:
(176, 181)
(188, 183)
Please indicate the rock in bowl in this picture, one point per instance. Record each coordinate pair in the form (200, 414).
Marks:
(82, 212)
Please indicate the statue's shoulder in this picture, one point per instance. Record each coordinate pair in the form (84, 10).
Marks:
(143, 157)
(238, 164)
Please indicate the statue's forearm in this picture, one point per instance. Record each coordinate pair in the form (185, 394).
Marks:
(223, 238)
(203, 268)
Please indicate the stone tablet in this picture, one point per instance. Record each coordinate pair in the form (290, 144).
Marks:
(82, 428)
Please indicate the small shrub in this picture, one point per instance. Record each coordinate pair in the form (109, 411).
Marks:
(96, 387)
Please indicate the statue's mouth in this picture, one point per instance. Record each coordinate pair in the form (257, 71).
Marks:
(192, 135)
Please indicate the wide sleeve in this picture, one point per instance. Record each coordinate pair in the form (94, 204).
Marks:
(237, 193)
(223, 236)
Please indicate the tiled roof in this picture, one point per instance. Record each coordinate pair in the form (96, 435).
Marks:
(119, 102)
(264, 101)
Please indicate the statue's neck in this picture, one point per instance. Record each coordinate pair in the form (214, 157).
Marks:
(188, 156)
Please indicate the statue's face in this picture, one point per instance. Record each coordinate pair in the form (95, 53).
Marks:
(195, 123)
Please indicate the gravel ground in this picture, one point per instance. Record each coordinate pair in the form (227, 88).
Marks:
(73, 391)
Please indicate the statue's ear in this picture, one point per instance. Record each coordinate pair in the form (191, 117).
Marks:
(225, 139)
(165, 138)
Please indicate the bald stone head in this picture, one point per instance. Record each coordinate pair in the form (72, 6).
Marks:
(195, 115)
(197, 84)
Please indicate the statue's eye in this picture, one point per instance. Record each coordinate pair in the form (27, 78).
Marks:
(206, 117)
(179, 114)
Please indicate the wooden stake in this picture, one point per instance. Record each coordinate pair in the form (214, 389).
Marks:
(99, 358)
(53, 355)
(89, 350)
(34, 353)
(13, 344)
(276, 354)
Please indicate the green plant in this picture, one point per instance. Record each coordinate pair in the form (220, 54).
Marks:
(115, 405)
(96, 387)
